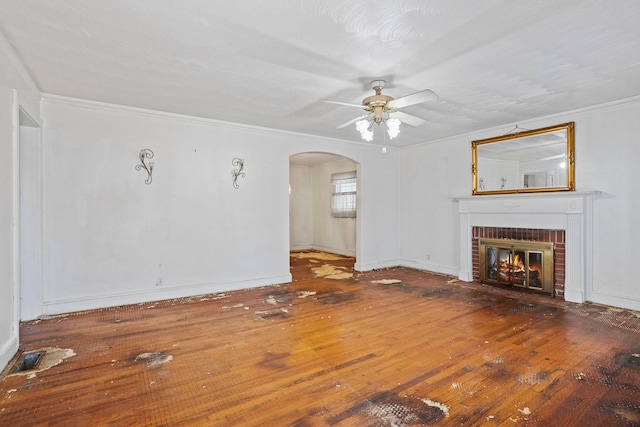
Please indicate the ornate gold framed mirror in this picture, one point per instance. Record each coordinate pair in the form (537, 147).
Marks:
(530, 161)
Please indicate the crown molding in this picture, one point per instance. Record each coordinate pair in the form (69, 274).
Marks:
(184, 118)
(17, 62)
(534, 122)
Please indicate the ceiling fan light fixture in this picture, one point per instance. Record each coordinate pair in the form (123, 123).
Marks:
(393, 127)
(365, 128)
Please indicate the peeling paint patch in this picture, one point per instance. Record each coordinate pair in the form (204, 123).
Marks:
(51, 356)
(304, 294)
(271, 300)
(329, 271)
(155, 359)
(525, 411)
(386, 281)
(213, 297)
(229, 307)
(444, 408)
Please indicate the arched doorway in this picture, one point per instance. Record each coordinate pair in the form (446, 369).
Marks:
(311, 223)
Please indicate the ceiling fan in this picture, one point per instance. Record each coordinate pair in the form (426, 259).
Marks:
(383, 108)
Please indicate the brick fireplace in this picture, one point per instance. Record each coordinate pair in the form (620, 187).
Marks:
(514, 235)
(564, 218)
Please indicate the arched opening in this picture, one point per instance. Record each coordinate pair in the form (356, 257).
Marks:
(313, 225)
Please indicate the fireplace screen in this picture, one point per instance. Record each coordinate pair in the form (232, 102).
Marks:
(518, 263)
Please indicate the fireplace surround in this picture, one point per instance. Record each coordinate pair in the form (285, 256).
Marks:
(569, 211)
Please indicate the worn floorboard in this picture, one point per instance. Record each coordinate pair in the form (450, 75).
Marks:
(393, 347)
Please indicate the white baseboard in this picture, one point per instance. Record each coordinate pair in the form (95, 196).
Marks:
(337, 251)
(161, 293)
(376, 265)
(435, 268)
(300, 248)
(8, 351)
(615, 301)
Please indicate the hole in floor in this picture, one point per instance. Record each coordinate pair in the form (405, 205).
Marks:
(29, 361)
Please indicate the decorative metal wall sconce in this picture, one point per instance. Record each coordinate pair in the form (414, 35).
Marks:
(146, 154)
(238, 171)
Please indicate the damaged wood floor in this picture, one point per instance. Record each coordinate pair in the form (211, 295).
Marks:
(393, 347)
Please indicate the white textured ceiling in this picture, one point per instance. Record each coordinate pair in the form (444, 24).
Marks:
(271, 62)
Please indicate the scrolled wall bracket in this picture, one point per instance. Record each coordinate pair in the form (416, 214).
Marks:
(235, 173)
(146, 154)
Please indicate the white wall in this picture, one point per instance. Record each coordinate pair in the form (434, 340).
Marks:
(16, 89)
(607, 153)
(430, 175)
(110, 239)
(301, 207)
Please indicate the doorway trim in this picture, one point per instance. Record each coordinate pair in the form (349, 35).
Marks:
(30, 216)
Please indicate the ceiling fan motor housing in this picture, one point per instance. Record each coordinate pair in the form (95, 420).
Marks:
(377, 103)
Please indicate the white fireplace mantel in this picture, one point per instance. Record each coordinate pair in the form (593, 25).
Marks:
(571, 211)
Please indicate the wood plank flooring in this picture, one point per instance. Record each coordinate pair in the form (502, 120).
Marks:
(393, 347)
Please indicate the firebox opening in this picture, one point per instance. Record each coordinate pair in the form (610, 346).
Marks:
(516, 263)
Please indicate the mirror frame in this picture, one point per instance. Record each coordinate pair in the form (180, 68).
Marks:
(570, 155)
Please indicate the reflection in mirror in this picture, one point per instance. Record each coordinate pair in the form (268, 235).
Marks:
(525, 162)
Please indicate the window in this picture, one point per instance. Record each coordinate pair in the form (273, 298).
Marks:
(343, 200)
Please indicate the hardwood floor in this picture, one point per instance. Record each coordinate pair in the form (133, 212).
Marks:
(393, 347)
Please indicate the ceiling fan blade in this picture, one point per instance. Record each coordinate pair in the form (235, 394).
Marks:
(406, 118)
(352, 121)
(343, 103)
(414, 98)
